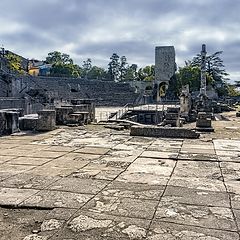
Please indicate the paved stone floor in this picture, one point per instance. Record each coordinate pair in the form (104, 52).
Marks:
(98, 183)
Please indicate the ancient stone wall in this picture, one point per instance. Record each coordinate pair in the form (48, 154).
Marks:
(102, 92)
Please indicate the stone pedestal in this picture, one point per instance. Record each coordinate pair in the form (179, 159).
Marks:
(172, 117)
(9, 122)
(46, 120)
(204, 122)
(12, 122)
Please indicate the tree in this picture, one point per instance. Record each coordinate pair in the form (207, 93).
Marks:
(65, 70)
(147, 73)
(131, 73)
(58, 58)
(113, 67)
(62, 65)
(87, 65)
(123, 68)
(97, 73)
(214, 68)
(14, 62)
(190, 75)
(233, 91)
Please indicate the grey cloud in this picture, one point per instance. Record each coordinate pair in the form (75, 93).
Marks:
(129, 27)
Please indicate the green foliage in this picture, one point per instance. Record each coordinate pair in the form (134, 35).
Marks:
(113, 67)
(214, 67)
(123, 68)
(97, 73)
(147, 73)
(131, 73)
(14, 63)
(62, 65)
(189, 75)
(58, 58)
(233, 91)
(87, 65)
(65, 70)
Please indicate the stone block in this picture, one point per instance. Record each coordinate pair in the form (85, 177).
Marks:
(168, 132)
(173, 110)
(172, 116)
(46, 120)
(172, 122)
(28, 122)
(62, 115)
(204, 123)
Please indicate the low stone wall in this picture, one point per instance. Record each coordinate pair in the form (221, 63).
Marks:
(168, 132)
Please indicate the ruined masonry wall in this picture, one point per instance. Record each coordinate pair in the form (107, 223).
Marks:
(105, 93)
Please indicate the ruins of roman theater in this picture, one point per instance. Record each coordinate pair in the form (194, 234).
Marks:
(106, 160)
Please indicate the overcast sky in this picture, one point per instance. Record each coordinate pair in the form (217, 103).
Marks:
(97, 28)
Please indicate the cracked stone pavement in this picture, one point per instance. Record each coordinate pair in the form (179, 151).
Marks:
(98, 183)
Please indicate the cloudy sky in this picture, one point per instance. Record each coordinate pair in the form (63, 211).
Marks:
(97, 28)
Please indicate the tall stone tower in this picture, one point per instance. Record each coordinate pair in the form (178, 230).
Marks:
(165, 68)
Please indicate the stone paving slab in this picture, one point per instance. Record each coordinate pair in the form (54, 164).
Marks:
(227, 145)
(59, 148)
(235, 199)
(197, 157)
(6, 175)
(4, 159)
(154, 154)
(198, 145)
(108, 164)
(185, 195)
(14, 196)
(31, 147)
(197, 169)
(172, 231)
(14, 169)
(141, 177)
(35, 161)
(77, 185)
(201, 216)
(93, 150)
(79, 156)
(125, 207)
(229, 159)
(230, 153)
(52, 171)
(31, 153)
(29, 181)
(159, 169)
(133, 190)
(75, 163)
(53, 199)
(88, 225)
(214, 185)
(102, 184)
(101, 174)
(186, 150)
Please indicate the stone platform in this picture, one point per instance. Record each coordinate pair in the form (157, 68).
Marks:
(96, 183)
